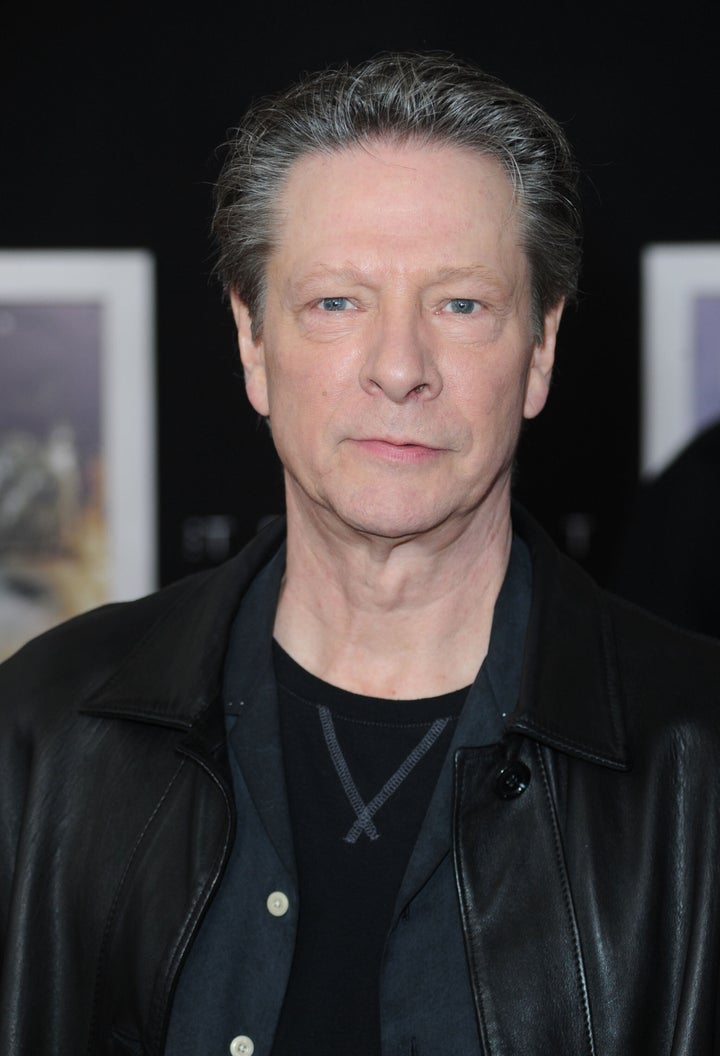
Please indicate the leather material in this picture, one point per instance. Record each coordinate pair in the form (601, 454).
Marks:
(589, 898)
(590, 901)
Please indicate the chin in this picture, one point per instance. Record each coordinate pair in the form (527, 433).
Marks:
(392, 523)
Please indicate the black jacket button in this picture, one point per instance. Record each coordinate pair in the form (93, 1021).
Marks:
(512, 779)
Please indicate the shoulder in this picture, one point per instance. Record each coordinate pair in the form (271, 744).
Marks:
(73, 658)
(672, 672)
(606, 679)
(165, 640)
(646, 645)
(666, 681)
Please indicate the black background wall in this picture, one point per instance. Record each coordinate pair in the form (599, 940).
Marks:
(110, 124)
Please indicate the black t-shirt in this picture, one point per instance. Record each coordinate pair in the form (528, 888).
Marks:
(360, 773)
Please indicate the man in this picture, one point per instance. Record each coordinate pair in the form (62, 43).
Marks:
(399, 779)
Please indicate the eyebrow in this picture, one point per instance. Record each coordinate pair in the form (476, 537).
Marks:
(321, 272)
(349, 273)
(472, 271)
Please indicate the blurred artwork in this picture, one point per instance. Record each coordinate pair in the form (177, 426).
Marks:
(707, 359)
(681, 348)
(77, 488)
(53, 534)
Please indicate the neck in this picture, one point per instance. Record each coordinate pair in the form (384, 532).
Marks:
(403, 618)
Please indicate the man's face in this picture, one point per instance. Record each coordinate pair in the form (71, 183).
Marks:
(396, 359)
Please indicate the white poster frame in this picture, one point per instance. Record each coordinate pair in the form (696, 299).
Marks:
(121, 282)
(673, 277)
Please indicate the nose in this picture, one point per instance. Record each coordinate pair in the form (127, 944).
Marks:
(399, 360)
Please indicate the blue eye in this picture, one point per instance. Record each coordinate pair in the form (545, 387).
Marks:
(462, 306)
(334, 304)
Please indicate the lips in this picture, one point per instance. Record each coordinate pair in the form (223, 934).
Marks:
(395, 441)
(396, 450)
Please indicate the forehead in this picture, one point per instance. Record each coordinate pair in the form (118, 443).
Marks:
(441, 205)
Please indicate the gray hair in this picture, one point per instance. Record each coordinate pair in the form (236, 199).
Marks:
(404, 97)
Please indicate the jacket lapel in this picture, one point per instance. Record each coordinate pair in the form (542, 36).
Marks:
(525, 950)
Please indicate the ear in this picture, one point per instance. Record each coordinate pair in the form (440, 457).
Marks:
(541, 364)
(252, 356)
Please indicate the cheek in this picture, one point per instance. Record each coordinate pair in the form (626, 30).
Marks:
(492, 409)
(302, 408)
(491, 391)
(309, 381)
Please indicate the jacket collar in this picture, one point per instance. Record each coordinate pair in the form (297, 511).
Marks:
(175, 670)
(570, 695)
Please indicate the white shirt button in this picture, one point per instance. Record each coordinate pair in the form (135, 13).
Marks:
(278, 904)
(242, 1046)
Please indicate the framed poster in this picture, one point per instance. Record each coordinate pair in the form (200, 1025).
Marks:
(680, 348)
(77, 435)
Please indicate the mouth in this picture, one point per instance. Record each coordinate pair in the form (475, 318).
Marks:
(397, 450)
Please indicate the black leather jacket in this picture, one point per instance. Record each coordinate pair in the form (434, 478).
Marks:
(586, 844)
